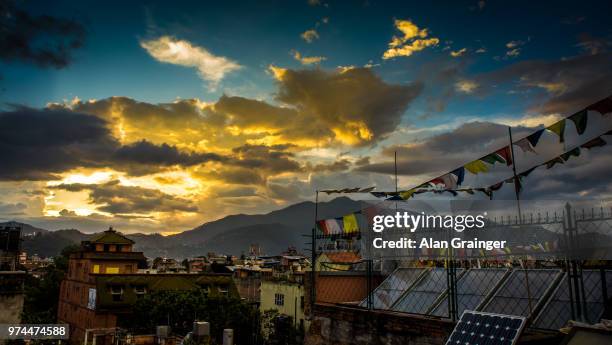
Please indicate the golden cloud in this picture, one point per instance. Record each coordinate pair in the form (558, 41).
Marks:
(413, 40)
(310, 35)
(307, 60)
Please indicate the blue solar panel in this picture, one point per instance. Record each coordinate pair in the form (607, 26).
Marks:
(477, 328)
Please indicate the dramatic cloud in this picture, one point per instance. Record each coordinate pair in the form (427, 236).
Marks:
(37, 144)
(413, 40)
(42, 40)
(572, 83)
(41, 144)
(181, 52)
(357, 106)
(310, 35)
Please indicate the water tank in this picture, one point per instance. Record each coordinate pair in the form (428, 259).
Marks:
(228, 336)
(201, 328)
(162, 331)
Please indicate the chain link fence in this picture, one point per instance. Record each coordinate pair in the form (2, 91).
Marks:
(544, 273)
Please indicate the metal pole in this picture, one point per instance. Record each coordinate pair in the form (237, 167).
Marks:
(516, 179)
(313, 247)
(395, 161)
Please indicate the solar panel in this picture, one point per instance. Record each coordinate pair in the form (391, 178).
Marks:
(473, 287)
(478, 328)
(385, 295)
(557, 310)
(522, 291)
(425, 292)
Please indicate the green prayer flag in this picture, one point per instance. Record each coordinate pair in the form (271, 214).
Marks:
(580, 120)
(492, 158)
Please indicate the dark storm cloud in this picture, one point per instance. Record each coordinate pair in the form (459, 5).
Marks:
(39, 144)
(146, 154)
(118, 199)
(273, 159)
(571, 83)
(43, 40)
(339, 165)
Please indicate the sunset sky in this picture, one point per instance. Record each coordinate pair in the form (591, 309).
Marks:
(158, 117)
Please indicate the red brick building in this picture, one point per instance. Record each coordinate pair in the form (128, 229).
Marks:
(108, 253)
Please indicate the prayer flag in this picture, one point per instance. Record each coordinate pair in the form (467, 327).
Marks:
(551, 163)
(334, 226)
(580, 120)
(351, 224)
(525, 145)
(559, 129)
(407, 194)
(476, 167)
(535, 137)
(505, 154)
(594, 143)
(573, 152)
(460, 173)
(603, 107)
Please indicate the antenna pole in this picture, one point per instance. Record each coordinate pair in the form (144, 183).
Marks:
(516, 178)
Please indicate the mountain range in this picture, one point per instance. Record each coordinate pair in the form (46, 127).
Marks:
(273, 232)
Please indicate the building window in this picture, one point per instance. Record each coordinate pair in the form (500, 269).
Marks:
(302, 302)
(279, 299)
(140, 291)
(223, 291)
(117, 293)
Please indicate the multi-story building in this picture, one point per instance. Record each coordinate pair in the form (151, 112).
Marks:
(103, 283)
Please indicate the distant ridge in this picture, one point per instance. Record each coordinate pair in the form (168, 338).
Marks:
(273, 232)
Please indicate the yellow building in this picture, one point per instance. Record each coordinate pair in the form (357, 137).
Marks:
(286, 296)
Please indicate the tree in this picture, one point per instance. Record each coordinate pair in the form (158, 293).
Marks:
(179, 309)
(277, 329)
(41, 296)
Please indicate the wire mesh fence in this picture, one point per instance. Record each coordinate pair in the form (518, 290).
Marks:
(543, 274)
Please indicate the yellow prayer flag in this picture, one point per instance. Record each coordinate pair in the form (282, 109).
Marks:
(407, 194)
(476, 167)
(559, 129)
(350, 223)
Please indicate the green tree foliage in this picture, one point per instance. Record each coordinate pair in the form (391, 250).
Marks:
(42, 295)
(179, 309)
